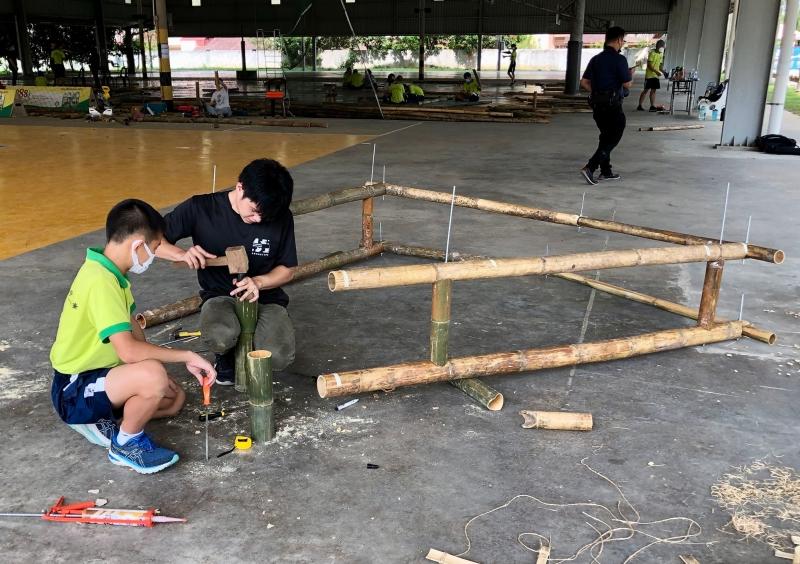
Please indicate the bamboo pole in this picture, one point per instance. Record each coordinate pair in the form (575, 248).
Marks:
(710, 295)
(481, 204)
(323, 201)
(367, 206)
(231, 121)
(259, 391)
(335, 260)
(188, 306)
(425, 372)
(247, 312)
(440, 321)
(557, 420)
(753, 251)
(488, 397)
(445, 558)
(341, 280)
(749, 329)
(159, 315)
(671, 127)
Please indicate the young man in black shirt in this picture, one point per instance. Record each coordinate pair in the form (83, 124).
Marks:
(608, 78)
(255, 214)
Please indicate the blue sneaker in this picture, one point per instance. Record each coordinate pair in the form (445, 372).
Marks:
(99, 433)
(142, 455)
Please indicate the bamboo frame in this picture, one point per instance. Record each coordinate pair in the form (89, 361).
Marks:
(342, 280)
(425, 372)
(367, 206)
(330, 199)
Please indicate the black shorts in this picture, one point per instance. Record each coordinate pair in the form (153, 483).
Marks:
(512, 66)
(652, 84)
(58, 71)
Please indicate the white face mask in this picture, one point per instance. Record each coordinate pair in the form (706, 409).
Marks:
(137, 267)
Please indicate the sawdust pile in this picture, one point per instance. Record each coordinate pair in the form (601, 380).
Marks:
(764, 502)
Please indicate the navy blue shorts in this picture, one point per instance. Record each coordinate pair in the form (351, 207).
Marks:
(81, 398)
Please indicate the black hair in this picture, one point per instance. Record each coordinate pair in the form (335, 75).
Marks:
(398, 77)
(614, 33)
(660, 42)
(467, 75)
(269, 186)
(134, 216)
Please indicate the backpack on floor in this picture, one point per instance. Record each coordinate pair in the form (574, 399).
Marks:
(778, 145)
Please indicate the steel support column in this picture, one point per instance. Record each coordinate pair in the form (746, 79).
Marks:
(755, 28)
(574, 48)
(784, 62)
(712, 43)
(163, 52)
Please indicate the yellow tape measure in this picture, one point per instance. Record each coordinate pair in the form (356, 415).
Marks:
(242, 442)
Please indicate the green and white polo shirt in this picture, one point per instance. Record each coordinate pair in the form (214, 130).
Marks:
(99, 304)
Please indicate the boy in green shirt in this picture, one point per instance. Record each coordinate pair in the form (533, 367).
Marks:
(655, 68)
(396, 92)
(470, 90)
(103, 367)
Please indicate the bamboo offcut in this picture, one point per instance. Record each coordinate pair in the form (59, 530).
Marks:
(556, 420)
(340, 280)
(753, 251)
(259, 391)
(247, 312)
(409, 374)
(153, 317)
(323, 201)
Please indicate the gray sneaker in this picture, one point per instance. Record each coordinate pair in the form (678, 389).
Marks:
(588, 175)
(99, 433)
(609, 176)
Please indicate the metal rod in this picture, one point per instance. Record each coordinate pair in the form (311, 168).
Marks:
(747, 235)
(21, 515)
(741, 307)
(724, 212)
(214, 181)
(449, 226)
(372, 170)
(580, 213)
(206, 439)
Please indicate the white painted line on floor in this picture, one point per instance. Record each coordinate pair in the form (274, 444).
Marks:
(397, 130)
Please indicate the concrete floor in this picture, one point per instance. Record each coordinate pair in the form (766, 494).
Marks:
(309, 497)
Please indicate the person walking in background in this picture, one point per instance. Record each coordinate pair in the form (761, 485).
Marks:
(608, 79)
(57, 57)
(655, 68)
(512, 64)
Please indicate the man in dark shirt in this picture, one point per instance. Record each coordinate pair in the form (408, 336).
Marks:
(608, 78)
(254, 214)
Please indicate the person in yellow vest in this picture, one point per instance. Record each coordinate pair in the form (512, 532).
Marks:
(356, 80)
(655, 68)
(470, 90)
(347, 78)
(104, 370)
(396, 92)
(57, 57)
(414, 94)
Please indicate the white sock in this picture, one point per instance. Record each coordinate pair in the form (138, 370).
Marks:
(123, 437)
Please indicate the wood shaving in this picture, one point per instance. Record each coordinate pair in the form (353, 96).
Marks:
(763, 501)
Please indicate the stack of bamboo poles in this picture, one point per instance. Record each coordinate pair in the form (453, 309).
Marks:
(471, 113)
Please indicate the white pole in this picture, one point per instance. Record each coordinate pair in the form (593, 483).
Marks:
(784, 62)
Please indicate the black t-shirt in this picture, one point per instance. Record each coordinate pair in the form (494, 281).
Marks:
(608, 71)
(211, 222)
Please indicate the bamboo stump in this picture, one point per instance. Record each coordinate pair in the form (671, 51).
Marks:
(710, 296)
(488, 397)
(259, 391)
(247, 312)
